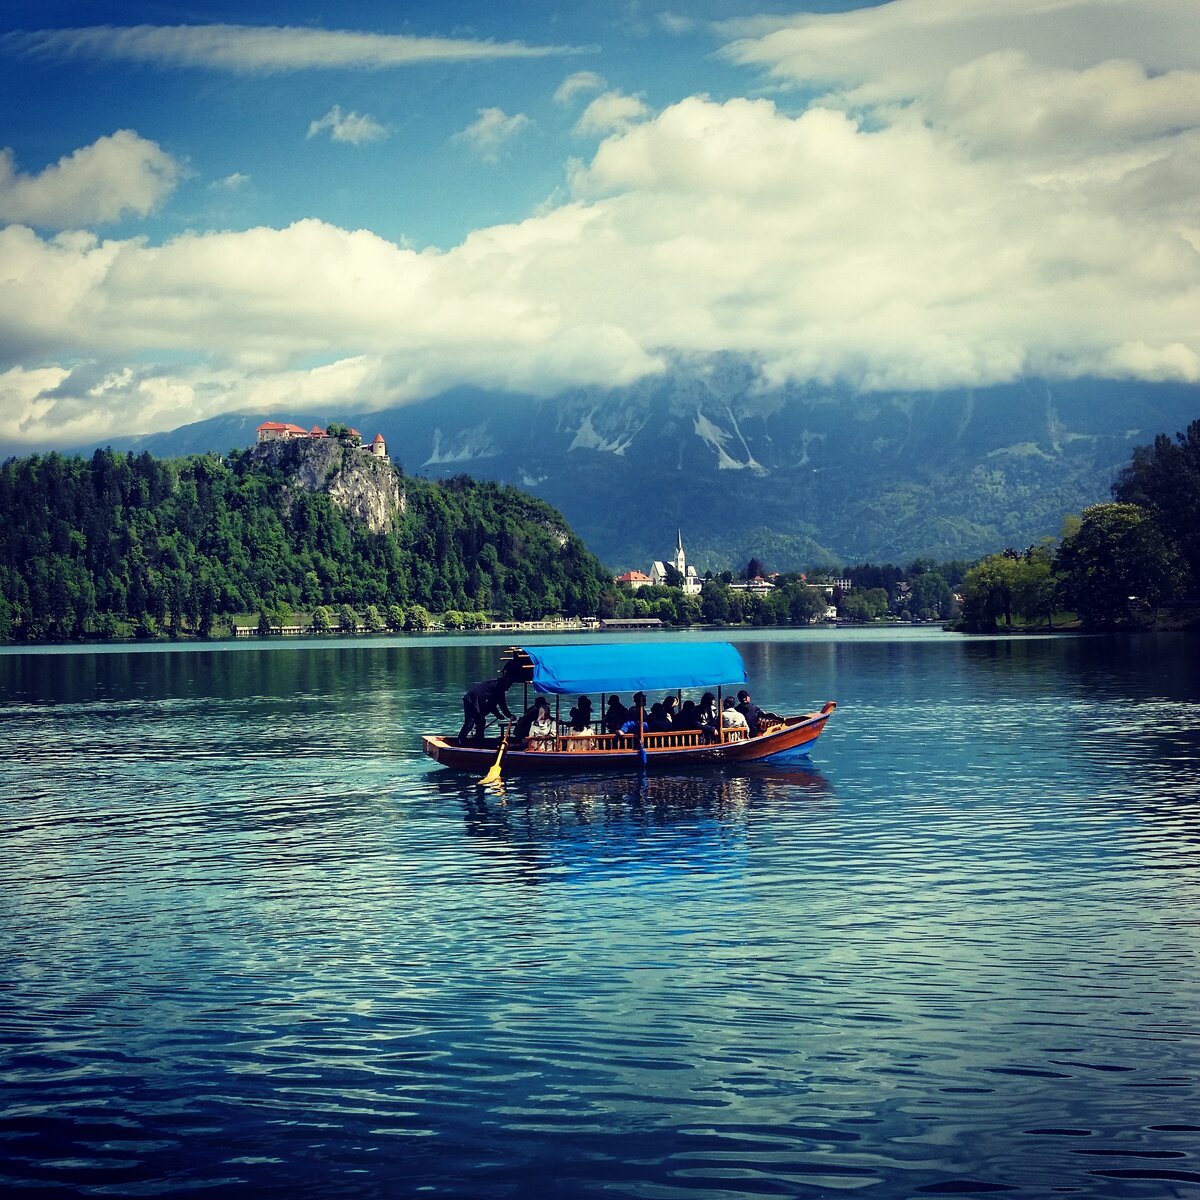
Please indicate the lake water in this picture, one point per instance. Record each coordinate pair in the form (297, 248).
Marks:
(253, 943)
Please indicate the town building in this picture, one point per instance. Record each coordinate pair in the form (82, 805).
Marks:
(692, 583)
(756, 586)
(634, 579)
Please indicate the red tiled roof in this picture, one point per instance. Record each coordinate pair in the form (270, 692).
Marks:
(632, 576)
(378, 438)
(281, 427)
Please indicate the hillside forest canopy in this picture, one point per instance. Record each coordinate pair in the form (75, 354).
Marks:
(90, 547)
(129, 545)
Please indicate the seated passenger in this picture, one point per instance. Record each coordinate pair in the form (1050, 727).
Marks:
(707, 715)
(580, 730)
(668, 703)
(542, 731)
(520, 730)
(615, 715)
(635, 722)
(630, 726)
(751, 712)
(689, 716)
(658, 721)
(731, 718)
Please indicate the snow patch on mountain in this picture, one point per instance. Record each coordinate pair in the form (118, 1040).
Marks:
(465, 446)
(719, 439)
(807, 437)
(587, 438)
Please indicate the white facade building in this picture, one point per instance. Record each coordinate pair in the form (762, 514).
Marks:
(692, 583)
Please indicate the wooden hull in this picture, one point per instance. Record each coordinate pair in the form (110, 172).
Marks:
(794, 736)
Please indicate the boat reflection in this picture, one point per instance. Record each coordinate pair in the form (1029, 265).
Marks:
(577, 807)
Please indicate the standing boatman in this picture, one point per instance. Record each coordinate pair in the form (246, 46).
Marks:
(486, 699)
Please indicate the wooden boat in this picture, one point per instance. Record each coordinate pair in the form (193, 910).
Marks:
(623, 668)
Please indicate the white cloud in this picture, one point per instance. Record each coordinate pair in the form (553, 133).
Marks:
(261, 49)
(119, 174)
(492, 131)
(576, 85)
(610, 111)
(908, 48)
(352, 128)
(231, 183)
(676, 23)
(1011, 217)
(1004, 103)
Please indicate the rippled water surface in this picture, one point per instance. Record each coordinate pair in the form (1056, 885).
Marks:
(252, 942)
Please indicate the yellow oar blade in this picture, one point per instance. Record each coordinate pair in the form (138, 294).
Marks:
(493, 775)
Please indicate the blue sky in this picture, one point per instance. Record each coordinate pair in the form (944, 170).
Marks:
(218, 207)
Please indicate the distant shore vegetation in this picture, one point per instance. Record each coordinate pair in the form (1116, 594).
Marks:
(132, 547)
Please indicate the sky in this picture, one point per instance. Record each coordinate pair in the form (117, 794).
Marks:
(274, 207)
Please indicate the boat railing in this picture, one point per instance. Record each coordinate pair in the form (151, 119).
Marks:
(591, 742)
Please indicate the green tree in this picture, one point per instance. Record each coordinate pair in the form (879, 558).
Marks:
(1117, 560)
(322, 619)
(374, 619)
(1035, 590)
(347, 619)
(988, 592)
(930, 596)
(854, 606)
(1165, 478)
(715, 604)
(417, 619)
(805, 604)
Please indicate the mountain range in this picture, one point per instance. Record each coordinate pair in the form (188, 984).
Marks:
(795, 476)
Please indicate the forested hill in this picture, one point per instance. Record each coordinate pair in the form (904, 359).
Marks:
(96, 546)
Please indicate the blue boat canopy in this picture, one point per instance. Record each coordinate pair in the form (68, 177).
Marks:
(634, 667)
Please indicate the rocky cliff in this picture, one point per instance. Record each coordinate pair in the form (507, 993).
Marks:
(363, 486)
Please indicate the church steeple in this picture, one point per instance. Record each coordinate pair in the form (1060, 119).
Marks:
(680, 557)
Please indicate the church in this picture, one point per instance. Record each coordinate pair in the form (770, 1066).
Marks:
(692, 583)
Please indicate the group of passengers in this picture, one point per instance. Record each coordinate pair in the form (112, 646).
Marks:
(689, 717)
(537, 729)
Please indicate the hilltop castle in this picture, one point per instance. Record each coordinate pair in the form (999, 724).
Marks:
(281, 431)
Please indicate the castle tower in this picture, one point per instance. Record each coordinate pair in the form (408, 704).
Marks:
(379, 446)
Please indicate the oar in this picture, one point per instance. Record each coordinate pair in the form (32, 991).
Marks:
(493, 775)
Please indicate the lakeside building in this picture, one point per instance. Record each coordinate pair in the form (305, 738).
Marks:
(756, 586)
(635, 580)
(692, 583)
